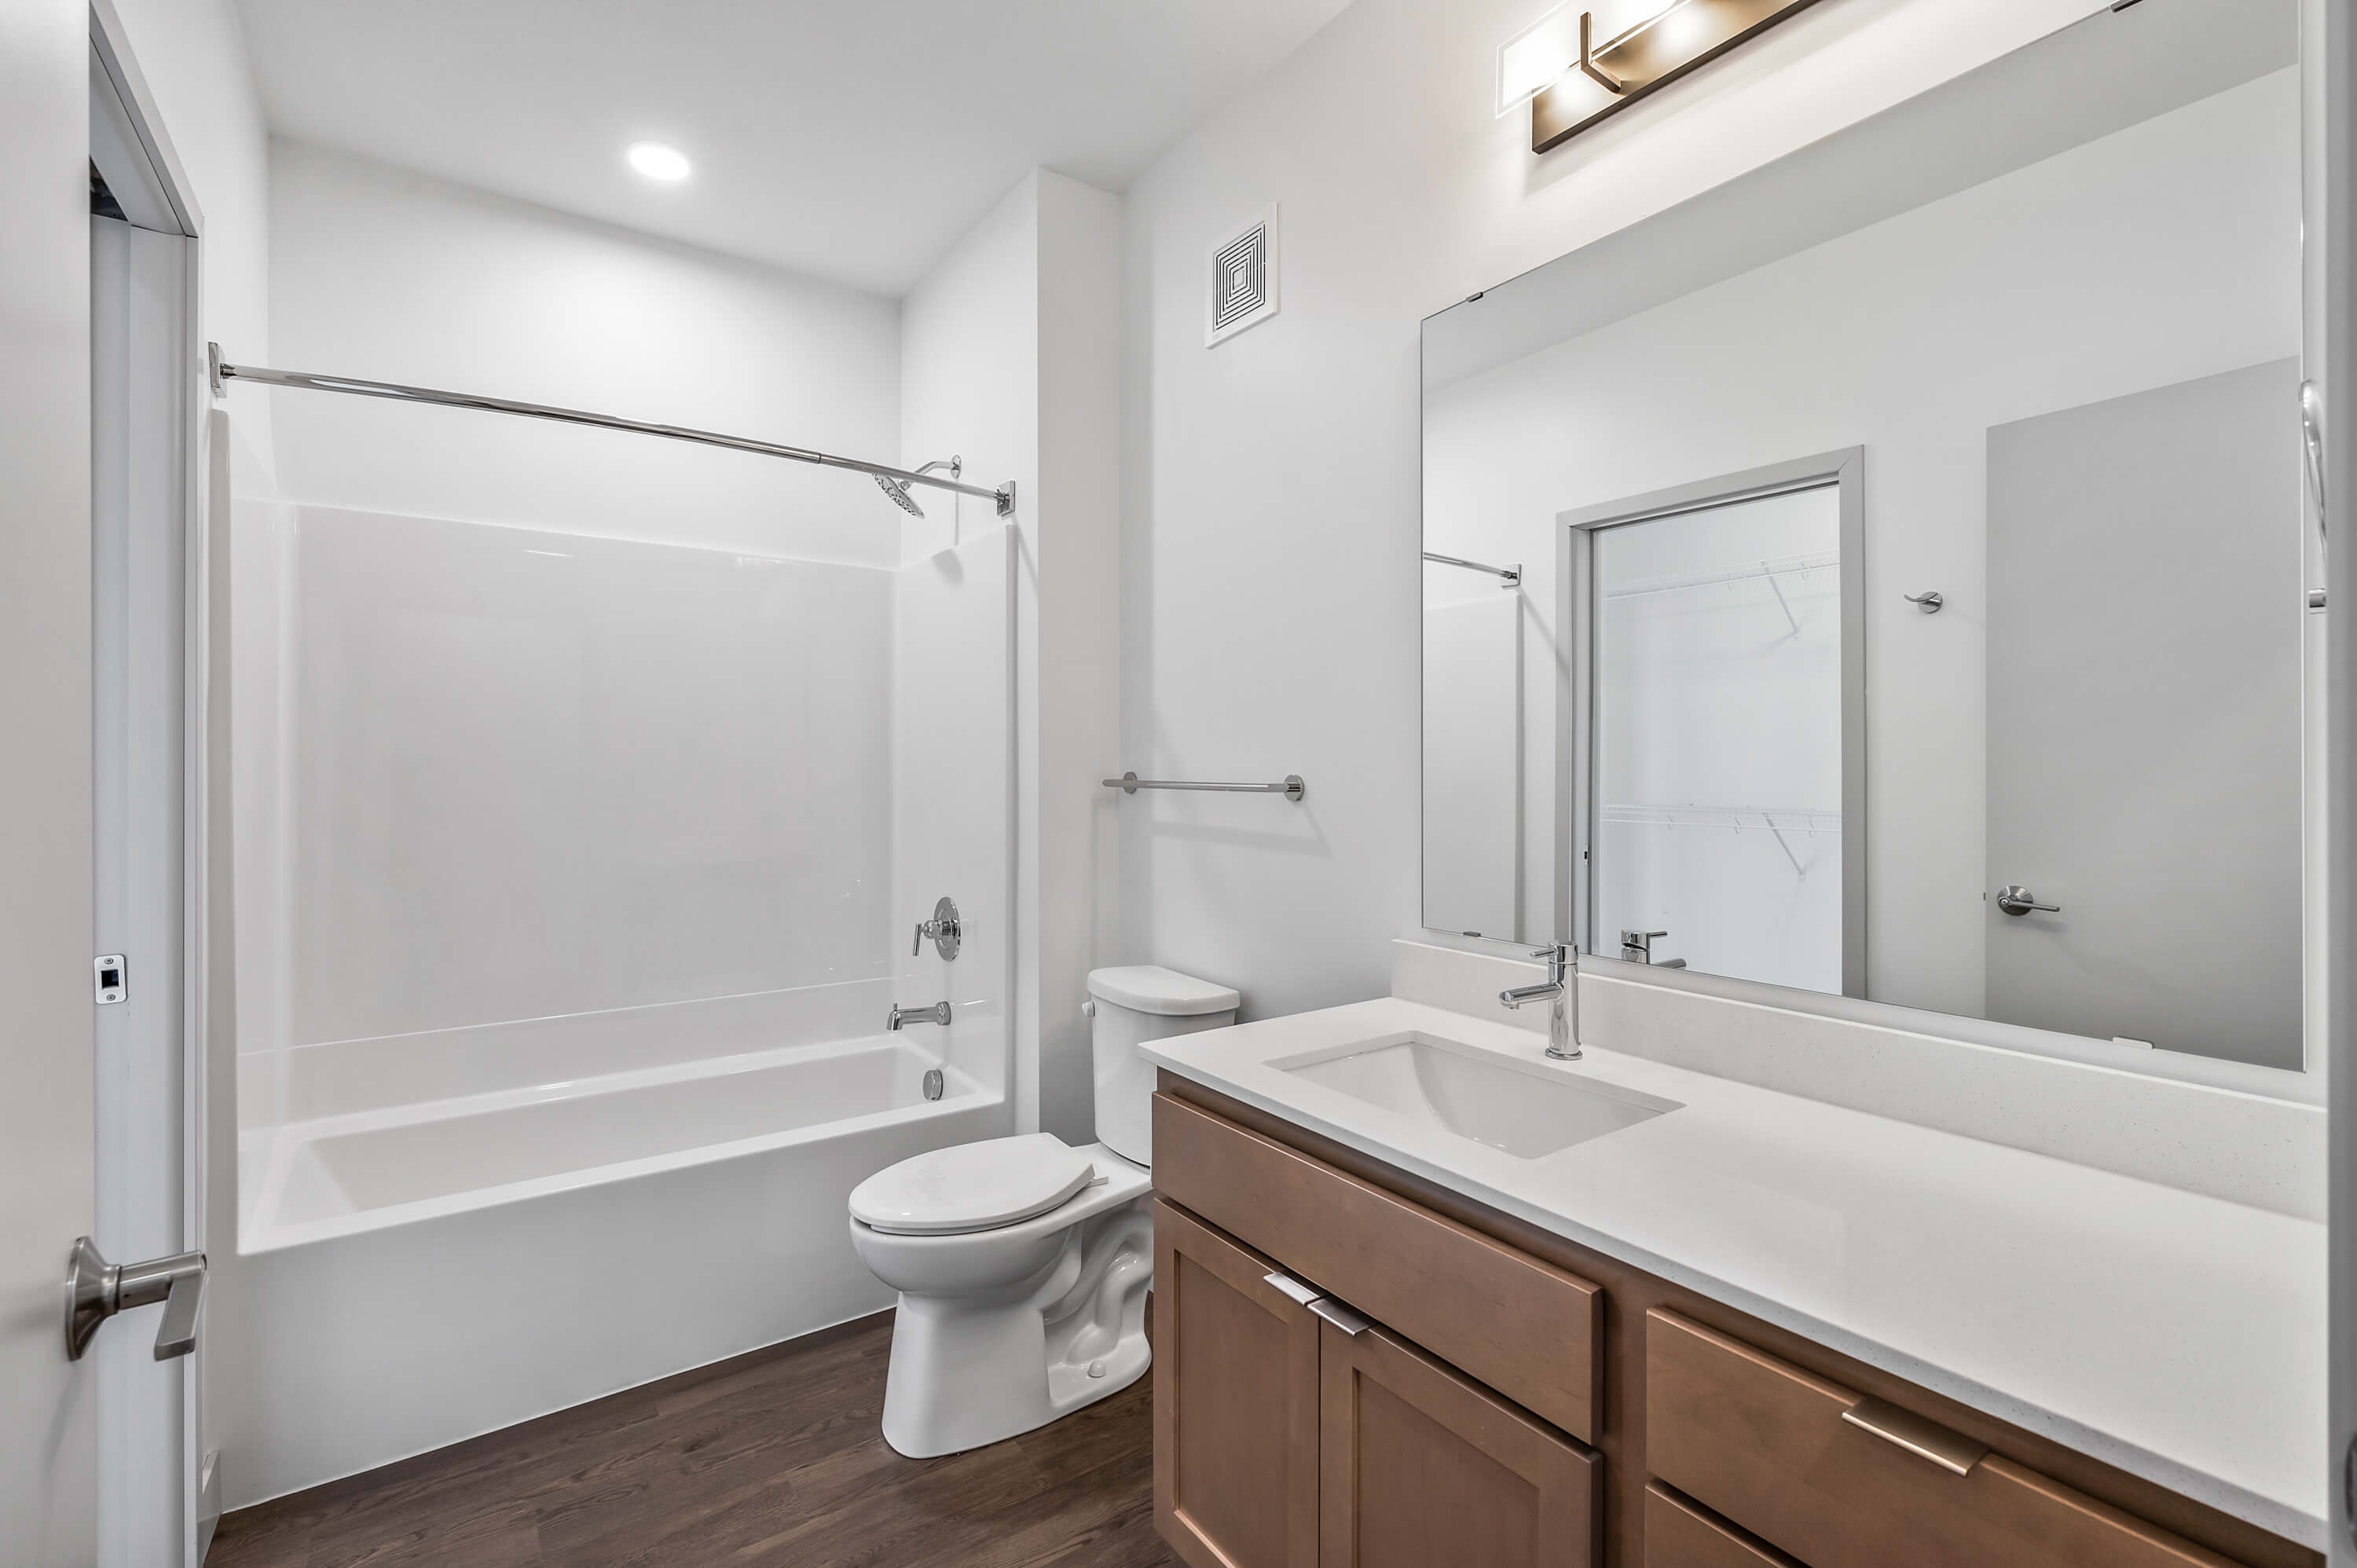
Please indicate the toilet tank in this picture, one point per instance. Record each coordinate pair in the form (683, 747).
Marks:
(1126, 1007)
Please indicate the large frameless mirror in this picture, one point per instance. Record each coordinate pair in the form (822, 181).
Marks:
(1888, 575)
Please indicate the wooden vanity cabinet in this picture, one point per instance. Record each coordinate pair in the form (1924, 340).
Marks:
(1512, 1398)
(1281, 1440)
(1236, 1404)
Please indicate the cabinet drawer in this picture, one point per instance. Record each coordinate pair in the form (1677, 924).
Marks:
(1840, 1481)
(1511, 1321)
(1679, 1535)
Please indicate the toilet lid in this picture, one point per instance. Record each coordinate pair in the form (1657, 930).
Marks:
(972, 1186)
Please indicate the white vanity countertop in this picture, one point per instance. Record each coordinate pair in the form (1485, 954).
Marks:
(2178, 1337)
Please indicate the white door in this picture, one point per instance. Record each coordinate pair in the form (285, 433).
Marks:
(48, 1415)
(2148, 696)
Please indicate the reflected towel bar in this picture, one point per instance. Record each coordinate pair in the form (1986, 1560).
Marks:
(223, 372)
(1512, 574)
(1291, 788)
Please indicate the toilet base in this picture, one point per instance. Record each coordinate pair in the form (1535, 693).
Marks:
(976, 1368)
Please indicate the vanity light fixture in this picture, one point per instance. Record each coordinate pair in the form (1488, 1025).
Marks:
(658, 162)
(1533, 59)
(1578, 67)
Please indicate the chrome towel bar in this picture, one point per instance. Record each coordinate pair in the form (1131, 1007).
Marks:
(1291, 788)
(1512, 574)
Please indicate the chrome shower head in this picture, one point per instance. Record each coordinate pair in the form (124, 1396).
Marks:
(898, 489)
(899, 494)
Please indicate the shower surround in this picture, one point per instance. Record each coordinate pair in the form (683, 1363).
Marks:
(579, 885)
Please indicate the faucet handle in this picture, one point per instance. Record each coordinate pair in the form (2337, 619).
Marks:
(944, 928)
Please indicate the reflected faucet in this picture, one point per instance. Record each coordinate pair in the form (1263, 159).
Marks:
(901, 1017)
(1562, 990)
(1637, 947)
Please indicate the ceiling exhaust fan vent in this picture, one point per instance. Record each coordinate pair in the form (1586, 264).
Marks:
(1243, 280)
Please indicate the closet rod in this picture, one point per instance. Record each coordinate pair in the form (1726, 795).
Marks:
(1784, 566)
(224, 372)
(1512, 574)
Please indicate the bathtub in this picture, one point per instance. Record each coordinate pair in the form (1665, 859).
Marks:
(411, 1272)
(335, 1176)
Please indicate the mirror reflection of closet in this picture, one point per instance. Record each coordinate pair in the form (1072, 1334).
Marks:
(1710, 693)
(2006, 711)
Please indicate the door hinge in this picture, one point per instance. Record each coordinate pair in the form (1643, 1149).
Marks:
(113, 979)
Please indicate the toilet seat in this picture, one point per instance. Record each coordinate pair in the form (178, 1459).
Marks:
(972, 1186)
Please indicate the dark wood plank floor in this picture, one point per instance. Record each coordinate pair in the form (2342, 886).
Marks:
(769, 1459)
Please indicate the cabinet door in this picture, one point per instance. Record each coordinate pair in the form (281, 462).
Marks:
(1236, 1404)
(1422, 1468)
(1680, 1535)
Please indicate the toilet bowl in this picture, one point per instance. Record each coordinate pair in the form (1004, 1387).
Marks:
(1022, 1263)
(1004, 1328)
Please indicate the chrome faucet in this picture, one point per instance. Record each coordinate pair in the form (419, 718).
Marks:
(1561, 989)
(1637, 947)
(901, 1017)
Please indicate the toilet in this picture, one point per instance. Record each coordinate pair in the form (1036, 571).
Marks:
(1023, 1262)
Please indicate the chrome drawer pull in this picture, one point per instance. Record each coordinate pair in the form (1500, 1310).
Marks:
(1292, 1287)
(1951, 1451)
(1341, 1317)
(1324, 1306)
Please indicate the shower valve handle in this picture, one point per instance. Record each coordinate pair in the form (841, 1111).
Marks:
(944, 929)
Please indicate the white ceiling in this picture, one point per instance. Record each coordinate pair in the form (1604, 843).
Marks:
(846, 139)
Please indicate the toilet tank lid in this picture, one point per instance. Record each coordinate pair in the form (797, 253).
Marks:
(1150, 988)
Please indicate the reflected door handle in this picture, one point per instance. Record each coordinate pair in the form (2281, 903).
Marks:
(2015, 899)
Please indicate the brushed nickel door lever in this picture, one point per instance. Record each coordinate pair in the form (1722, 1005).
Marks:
(96, 1290)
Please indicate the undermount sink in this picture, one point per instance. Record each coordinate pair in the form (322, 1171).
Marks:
(1530, 1113)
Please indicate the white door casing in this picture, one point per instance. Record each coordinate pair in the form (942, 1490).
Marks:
(141, 591)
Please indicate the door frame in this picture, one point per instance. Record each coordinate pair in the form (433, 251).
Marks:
(2329, 71)
(110, 52)
(1575, 788)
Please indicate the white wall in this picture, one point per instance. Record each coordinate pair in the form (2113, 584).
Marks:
(1472, 757)
(1269, 572)
(1077, 553)
(1009, 359)
(2163, 252)
(970, 387)
(392, 276)
(952, 797)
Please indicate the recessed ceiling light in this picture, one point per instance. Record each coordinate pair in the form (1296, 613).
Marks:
(656, 161)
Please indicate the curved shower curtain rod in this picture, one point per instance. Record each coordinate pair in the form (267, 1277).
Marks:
(223, 372)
